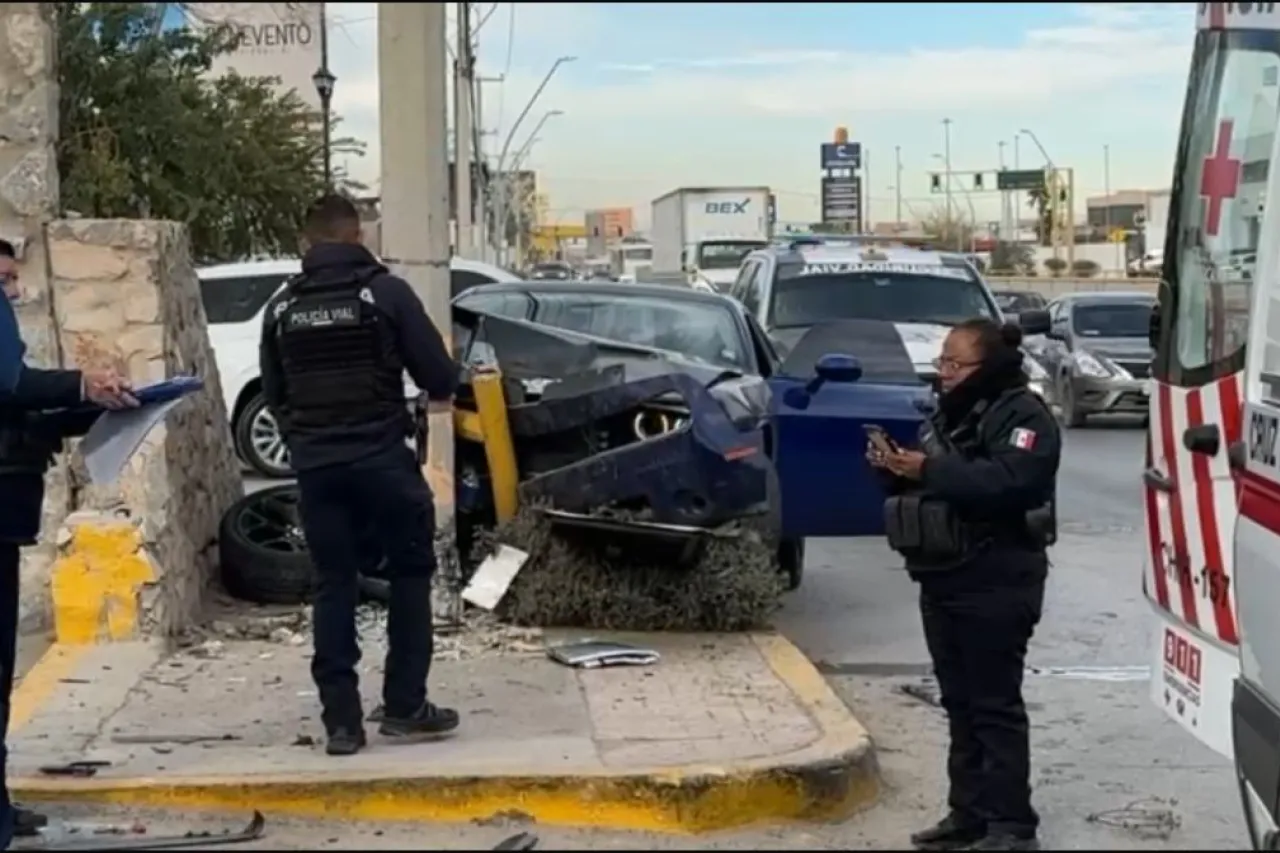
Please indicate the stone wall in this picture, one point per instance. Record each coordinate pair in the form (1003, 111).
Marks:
(125, 293)
(28, 200)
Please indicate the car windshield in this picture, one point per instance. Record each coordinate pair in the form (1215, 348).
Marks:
(640, 253)
(725, 256)
(698, 330)
(806, 296)
(1120, 320)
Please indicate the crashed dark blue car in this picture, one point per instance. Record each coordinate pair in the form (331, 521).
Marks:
(684, 438)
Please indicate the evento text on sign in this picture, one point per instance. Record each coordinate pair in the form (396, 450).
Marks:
(272, 37)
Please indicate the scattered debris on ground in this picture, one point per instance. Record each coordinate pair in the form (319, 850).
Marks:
(1150, 819)
(232, 621)
(925, 690)
(735, 585)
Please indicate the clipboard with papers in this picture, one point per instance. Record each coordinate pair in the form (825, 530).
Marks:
(117, 434)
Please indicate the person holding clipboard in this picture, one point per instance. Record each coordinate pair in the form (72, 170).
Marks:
(31, 434)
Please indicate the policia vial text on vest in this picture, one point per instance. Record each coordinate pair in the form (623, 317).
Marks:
(336, 343)
(972, 511)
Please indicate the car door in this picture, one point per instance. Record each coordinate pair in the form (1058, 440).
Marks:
(819, 447)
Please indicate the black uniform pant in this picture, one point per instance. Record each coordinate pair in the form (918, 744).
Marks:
(10, 558)
(977, 628)
(385, 495)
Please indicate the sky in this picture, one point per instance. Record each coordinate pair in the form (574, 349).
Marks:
(664, 95)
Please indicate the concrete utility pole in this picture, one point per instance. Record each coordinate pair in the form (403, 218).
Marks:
(463, 72)
(897, 187)
(946, 163)
(1004, 196)
(484, 205)
(413, 76)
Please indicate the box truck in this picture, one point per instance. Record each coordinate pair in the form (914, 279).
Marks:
(701, 234)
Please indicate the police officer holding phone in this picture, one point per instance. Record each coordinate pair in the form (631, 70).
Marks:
(336, 343)
(38, 410)
(972, 511)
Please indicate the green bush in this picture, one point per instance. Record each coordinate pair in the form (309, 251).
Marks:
(1085, 268)
(1055, 266)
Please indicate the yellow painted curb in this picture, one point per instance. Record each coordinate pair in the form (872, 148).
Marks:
(826, 780)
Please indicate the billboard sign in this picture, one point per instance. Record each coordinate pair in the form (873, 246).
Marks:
(837, 155)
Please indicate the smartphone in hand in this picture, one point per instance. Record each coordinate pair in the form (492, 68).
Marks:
(878, 438)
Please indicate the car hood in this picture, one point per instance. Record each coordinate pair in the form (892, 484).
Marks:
(921, 341)
(877, 345)
(1118, 349)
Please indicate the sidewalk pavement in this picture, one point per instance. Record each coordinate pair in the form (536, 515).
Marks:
(724, 731)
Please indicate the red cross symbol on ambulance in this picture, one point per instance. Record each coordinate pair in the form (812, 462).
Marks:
(1219, 179)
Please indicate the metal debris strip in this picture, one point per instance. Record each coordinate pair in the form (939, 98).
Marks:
(591, 654)
(925, 690)
(1150, 819)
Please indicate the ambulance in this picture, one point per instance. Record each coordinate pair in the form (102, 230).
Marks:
(1212, 482)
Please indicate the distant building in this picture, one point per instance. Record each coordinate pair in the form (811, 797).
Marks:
(1124, 209)
(607, 226)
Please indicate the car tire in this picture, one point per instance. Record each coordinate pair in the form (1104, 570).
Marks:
(253, 417)
(1072, 417)
(260, 564)
(276, 569)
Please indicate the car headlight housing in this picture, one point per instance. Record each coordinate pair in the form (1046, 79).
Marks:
(1089, 365)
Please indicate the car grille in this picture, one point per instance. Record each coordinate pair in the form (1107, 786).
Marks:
(1138, 369)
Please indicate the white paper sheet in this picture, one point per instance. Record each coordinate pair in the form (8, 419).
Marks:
(116, 436)
(493, 577)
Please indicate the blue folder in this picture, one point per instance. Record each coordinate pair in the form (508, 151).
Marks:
(159, 392)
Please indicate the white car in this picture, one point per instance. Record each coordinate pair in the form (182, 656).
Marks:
(234, 296)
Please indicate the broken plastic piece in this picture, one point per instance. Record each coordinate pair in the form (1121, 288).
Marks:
(74, 768)
(193, 839)
(493, 577)
(590, 654)
(519, 841)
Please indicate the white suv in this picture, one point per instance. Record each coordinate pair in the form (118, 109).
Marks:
(234, 296)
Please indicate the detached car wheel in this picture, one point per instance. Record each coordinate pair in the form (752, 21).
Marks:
(259, 442)
(263, 554)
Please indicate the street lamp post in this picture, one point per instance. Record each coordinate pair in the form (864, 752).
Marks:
(521, 153)
(324, 82)
(500, 218)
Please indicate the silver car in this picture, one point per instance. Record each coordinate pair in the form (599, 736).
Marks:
(1098, 354)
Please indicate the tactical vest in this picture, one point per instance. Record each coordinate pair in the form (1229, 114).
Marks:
(338, 354)
(931, 534)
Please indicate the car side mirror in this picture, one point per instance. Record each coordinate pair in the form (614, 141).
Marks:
(1153, 328)
(1034, 322)
(832, 367)
(835, 367)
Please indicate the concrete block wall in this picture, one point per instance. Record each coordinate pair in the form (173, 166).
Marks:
(125, 294)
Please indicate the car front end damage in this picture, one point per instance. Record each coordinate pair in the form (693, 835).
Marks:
(610, 445)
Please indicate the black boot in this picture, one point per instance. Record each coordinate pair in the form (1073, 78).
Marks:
(345, 741)
(950, 833)
(26, 823)
(428, 721)
(1007, 841)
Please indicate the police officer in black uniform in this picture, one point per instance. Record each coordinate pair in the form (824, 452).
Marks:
(336, 343)
(972, 510)
(43, 408)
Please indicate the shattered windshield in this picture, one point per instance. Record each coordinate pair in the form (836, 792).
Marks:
(698, 330)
